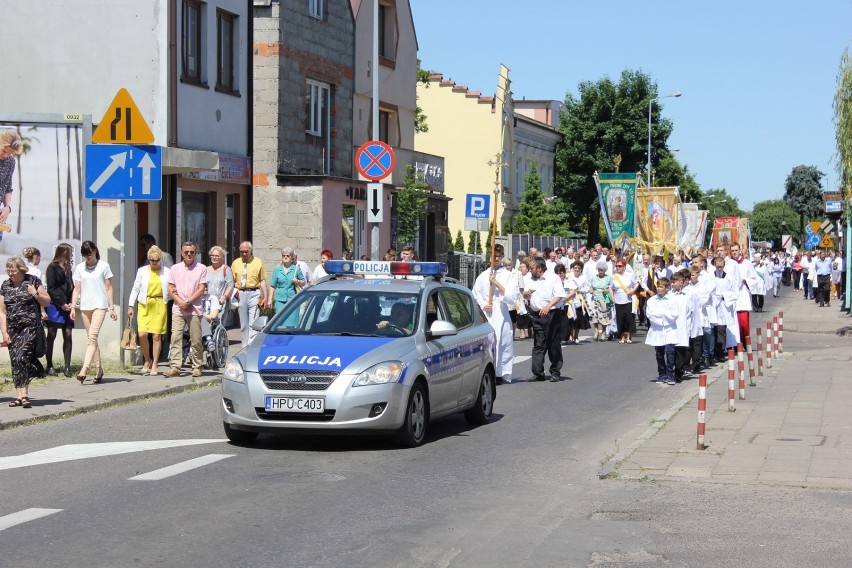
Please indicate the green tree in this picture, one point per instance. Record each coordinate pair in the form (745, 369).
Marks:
(488, 238)
(459, 246)
(718, 203)
(538, 214)
(670, 172)
(420, 118)
(450, 245)
(803, 193)
(410, 207)
(608, 119)
(770, 219)
(474, 243)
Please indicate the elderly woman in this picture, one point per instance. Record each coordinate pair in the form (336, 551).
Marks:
(93, 287)
(22, 298)
(601, 285)
(220, 278)
(59, 288)
(285, 278)
(578, 290)
(151, 291)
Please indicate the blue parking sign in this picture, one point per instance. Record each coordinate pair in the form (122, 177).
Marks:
(477, 206)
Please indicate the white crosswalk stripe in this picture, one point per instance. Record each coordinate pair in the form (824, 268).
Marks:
(179, 468)
(24, 516)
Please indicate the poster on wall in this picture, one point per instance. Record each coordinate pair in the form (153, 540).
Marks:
(41, 188)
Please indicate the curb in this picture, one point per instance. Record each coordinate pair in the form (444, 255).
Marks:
(659, 422)
(16, 423)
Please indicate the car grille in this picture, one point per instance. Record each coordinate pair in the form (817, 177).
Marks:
(327, 416)
(298, 379)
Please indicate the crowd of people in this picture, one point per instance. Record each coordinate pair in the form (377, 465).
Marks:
(166, 299)
(694, 307)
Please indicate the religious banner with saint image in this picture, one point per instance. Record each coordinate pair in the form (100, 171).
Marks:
(617, 194)
(658, 212)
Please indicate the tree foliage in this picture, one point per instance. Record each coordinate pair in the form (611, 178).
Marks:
(538, 215)
(459, 244)
(803, 191)
(843, 122)
(718, 203)
(410, 207)
(474, 243)
(420, 118)
(608, 119)
(770, 219)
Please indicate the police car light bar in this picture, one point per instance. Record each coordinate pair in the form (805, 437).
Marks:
(382, 268)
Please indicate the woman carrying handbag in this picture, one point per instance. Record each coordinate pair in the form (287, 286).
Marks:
(151, 291)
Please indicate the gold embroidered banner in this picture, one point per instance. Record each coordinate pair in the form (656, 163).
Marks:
(658, 213)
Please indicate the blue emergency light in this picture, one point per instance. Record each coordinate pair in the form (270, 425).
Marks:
(384, 268)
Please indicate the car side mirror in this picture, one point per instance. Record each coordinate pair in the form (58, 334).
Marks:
(259, 323)
(442, 328)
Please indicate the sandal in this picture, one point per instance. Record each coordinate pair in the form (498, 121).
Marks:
(146, 370)
(629, 341)
(621, 341)
(25, 401)
(16, 402)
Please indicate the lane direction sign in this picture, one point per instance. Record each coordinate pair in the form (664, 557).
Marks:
(117, 171)
(123, 123)
(375, 160)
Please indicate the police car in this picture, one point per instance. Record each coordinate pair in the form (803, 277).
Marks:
(381, 347)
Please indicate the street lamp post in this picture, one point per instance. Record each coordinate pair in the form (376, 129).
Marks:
(650, 104)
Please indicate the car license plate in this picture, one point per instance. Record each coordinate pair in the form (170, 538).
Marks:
(295, 404)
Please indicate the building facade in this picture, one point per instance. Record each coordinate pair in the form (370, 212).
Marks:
(186, 65)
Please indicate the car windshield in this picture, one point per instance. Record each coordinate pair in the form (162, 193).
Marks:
(334, 312)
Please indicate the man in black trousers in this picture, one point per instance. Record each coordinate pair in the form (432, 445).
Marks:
(544, 293)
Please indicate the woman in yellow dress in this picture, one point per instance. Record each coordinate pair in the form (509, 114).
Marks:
(151, 291)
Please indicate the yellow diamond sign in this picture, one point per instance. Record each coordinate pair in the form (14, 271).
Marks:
(826, 242)
(123, 123)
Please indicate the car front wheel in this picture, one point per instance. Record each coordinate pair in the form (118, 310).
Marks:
(484, 405)
(413, 430)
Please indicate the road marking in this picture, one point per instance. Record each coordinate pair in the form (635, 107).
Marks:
(24, 516)
(83, 451)
(179, 468)
(522, 358)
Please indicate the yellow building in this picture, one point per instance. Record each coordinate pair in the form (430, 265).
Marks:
(487, 145)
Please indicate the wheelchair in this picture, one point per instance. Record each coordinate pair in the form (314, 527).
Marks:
(214, 345)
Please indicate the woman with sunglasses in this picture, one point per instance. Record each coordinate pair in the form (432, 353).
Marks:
(151, 291)
(93, 288)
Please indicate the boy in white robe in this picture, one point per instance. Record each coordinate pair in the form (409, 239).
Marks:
(727, 328)
(661, 312)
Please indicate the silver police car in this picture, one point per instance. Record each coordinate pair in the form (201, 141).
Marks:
(380, 347)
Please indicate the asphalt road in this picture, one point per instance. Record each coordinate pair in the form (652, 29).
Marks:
(521, 491)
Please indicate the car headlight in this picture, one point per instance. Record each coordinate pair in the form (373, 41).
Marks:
(380, 374)
(234, 371)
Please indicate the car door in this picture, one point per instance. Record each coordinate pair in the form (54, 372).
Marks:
(470, 342)
(444, 361)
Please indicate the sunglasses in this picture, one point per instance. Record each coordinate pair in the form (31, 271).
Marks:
(189, 252)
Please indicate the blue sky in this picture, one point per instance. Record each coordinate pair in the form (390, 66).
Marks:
(758, 77)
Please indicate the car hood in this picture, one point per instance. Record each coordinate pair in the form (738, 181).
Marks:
(313, 352)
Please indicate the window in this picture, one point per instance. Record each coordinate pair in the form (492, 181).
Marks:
(387, 37)
(316, 8)
(459, 308)
(318, 108)
(384, 126)
(192, 41)
(225, 47)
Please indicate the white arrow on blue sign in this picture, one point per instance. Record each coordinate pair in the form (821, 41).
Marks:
(121, 171)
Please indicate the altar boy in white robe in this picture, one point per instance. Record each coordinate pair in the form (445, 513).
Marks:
(727, 328)
(661, 311)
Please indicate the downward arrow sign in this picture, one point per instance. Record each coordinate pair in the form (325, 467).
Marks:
(375, 208)
(118, 161)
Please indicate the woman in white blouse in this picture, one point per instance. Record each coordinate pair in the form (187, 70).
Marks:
(93, 288)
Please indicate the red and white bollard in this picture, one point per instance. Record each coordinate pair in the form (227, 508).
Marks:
(702, 408)
(769, 345)
(759, 352)
(750, 355)
(732, 379)
(741, 370)
(775, 336)
(780, 332)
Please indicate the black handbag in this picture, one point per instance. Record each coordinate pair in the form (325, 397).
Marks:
(40, 344)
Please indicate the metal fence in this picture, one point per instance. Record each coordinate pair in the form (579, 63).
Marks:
(465, 267)
(525, 241)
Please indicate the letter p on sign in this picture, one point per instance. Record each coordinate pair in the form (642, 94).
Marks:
(477, 206)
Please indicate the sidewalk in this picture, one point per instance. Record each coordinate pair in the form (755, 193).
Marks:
(62, 397)
(793, 428)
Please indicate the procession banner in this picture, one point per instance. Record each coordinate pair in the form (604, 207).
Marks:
(617, 193)
(703, 226)
(726, 231)
(658, 212)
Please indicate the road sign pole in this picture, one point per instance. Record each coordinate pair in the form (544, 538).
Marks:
(122, 264)
(374, 233)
